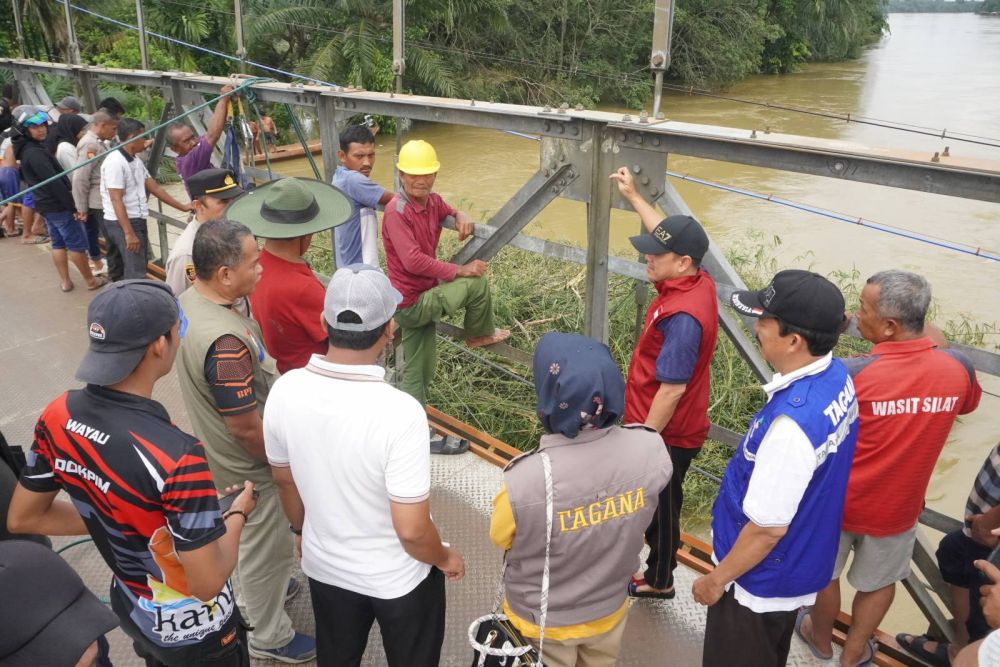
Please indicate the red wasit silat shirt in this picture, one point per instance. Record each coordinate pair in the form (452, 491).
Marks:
(909, 395)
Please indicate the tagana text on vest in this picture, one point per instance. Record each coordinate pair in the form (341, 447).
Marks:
(605, 486)
(694, 295)
(825, 408)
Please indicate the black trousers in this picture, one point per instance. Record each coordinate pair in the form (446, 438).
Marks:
(738, 637)
(112, 254)
(226, 648)
(664, 533)
(412, 626)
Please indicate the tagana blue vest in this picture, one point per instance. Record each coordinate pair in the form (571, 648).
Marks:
(801, 563)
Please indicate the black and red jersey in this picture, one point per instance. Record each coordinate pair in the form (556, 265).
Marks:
(145, 492)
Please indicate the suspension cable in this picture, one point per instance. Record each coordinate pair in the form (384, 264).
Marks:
(992, 142)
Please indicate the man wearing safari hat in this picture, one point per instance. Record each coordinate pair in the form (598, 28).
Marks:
(211, 190)
(225, 374)
(288, 300)
(431, 288)
(669, 376)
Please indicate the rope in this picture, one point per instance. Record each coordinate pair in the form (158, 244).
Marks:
(888, 229)
(96, 158)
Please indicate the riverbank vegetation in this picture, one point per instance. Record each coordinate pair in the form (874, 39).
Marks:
(574, 51)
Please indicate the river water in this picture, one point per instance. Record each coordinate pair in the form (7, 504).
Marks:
(931, 70)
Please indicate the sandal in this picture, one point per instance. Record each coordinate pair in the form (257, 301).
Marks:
(99, 282)
(634, 592)
(67, 288)
(448, 445)
(872, 647)
(803, 613)
(36, 240)
(914, 645)
(11, 234)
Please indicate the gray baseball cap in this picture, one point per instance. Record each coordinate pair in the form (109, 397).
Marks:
(123, 320)
(364, 290)
(70, 102)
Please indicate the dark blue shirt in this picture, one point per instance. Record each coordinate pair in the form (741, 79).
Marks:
(679, 354)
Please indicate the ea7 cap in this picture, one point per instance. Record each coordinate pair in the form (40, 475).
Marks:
(680, 234)
(124, 319)
(48, 616)
(218, 183)
(801, 298)
(364, 290)
(70, 102)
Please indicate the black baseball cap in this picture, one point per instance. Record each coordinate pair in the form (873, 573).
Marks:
(123, 320)
(801, 298)
(680, 234)
(218, 183)
(48, 616)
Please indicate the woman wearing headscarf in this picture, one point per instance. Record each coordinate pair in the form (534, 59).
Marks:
(66, 133)
(605, 482)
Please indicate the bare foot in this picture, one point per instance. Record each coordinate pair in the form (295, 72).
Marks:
(498, 336)
(66, 287)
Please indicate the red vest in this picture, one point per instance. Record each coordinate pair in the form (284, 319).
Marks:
(694, 295)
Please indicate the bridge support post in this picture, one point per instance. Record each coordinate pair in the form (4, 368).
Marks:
(329, 136)
(88, 89)
(595, 316)
(17, 27)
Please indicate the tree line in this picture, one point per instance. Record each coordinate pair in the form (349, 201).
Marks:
(573, 51)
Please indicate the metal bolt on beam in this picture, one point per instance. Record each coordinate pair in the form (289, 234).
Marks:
(546, 109)
(579, 107)
(660, 115)
(767, 129)
(947, 152)
(936, 157)
(753, 134)
(626, 118)
(643, 117)
(472, 103)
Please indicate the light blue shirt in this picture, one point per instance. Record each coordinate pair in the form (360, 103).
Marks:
(363, 193)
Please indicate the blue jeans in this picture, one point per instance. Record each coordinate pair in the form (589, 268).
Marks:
(66, 231)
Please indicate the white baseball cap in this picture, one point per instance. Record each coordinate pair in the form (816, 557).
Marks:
(364, 290)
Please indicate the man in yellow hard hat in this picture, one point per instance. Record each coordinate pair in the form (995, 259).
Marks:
(431, 288)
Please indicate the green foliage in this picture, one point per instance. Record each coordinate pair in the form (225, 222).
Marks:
(123, 52)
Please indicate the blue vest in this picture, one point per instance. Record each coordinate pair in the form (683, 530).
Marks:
(801, 563)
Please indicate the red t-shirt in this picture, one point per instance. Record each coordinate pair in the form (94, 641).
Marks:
(410, 233)
(288, 304)
(909, 394)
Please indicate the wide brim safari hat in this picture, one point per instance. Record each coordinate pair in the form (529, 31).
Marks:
(290, 207)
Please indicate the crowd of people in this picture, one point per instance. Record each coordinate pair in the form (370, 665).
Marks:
(302, 449)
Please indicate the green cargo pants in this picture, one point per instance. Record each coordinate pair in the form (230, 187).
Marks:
(417, 323)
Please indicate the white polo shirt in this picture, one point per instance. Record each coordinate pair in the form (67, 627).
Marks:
(353, 446)
(128, 174)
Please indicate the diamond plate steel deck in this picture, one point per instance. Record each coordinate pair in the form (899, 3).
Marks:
(44, 337)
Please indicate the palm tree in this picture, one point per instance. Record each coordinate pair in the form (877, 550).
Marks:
(349, 42)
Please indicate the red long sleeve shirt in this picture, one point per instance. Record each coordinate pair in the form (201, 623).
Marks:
(410, 233)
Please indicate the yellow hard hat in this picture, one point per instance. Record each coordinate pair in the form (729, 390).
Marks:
(418, 158)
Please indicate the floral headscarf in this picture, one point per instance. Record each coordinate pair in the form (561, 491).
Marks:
(577, 383)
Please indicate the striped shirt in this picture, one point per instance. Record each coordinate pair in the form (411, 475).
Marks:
(985, 493)
(145, 492)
